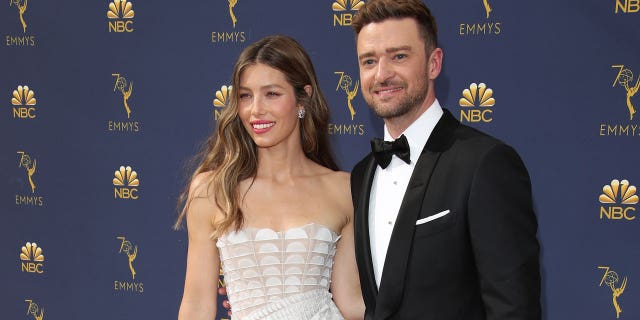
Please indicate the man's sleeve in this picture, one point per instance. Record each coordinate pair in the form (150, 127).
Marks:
(503, 230)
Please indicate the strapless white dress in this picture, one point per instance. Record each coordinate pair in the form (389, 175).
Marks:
(279, 275)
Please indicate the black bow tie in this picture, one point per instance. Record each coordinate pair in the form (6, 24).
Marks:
(383, 150)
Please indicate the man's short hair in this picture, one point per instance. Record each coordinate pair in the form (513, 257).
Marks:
(380, 10)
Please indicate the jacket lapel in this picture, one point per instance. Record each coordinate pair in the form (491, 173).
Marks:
(398, 254)
(361, 233)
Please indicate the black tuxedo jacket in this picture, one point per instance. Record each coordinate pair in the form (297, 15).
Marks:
(478, 261)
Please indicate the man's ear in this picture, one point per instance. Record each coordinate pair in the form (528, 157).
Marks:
(435, 63)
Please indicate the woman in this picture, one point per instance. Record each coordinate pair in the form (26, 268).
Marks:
(267, 202)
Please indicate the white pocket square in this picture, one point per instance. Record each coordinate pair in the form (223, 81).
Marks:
(433, 217)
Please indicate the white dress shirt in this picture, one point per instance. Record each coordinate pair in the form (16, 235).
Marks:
(390, 184)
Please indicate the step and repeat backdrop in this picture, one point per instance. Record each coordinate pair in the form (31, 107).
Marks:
(105, 102)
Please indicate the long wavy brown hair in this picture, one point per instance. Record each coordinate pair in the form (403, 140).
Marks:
(230, 153)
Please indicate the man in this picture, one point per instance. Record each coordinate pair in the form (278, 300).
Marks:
(444, 228)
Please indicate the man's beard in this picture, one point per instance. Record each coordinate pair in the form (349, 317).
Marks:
(408, 103)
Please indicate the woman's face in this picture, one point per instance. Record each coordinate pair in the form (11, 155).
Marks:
(267, 107)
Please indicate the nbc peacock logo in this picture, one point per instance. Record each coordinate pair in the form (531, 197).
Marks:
(344, 10)
(612, 280)
(24, 102)
(477, 102)
(32, 258)
(617, 201)
(120, 16)
(221, 100)
(126, 183)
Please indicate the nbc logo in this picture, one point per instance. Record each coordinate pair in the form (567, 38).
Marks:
(611, 279)
(120, 16)
(34, 310)
(222, 100)
(627, 6)
(125, 183)
(615, 195)
(477, 95)
(342, 18)
(32, 258)
(23, 101)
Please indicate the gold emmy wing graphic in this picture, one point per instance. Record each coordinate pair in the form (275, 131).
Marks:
(131, 251)
(120, 9)
(232, 3)
(625, 79)
(610, 278)
(31, 252)
(222, 96)
(23, 96)
(625, 191)
(121, 85)
(126, 177)
(25, 161)
(33, 309)
(487, 7)
(341, 5)
(477, 93)
(22, 7)
(345, 83)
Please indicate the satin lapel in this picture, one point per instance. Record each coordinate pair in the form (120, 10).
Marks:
(361, 233)
(395, 267)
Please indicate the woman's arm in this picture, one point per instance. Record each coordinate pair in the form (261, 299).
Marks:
(345, 283)
(199, 299)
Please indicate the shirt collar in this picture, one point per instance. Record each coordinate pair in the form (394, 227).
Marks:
(419, 131)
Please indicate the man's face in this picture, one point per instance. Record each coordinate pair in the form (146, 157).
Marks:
(394, 67)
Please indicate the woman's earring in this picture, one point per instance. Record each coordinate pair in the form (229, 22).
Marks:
(301, 113)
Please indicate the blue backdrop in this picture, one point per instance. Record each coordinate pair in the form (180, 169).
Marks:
(105, 102)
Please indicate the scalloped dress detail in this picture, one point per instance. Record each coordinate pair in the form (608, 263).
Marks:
(280, 275)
